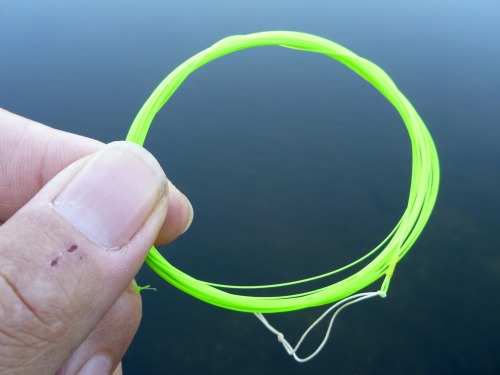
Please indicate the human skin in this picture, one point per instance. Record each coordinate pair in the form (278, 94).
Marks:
(77, 220)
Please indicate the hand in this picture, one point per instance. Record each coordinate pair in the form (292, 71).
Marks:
(78, 220)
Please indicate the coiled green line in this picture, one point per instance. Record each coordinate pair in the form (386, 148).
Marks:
(423, 190)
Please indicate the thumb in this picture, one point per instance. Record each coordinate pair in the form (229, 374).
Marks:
(67, 255)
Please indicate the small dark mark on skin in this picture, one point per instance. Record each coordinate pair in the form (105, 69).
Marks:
(54, 262)
(81, 257)
(72, 249)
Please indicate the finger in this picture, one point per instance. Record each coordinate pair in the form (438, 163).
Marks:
(31, 154)
(179, 210)
(104, 348)
(71, 251)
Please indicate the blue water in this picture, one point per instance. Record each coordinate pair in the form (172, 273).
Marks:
(294, 166)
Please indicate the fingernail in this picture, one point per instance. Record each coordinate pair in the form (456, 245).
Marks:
(191, 215)
(98, 364)
(186, 208)
(111, 197)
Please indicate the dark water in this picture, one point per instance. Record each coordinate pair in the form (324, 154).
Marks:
(294, 166)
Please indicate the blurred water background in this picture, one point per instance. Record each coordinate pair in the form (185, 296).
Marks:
(294, 166)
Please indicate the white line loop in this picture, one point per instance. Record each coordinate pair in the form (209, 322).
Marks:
(338, 307)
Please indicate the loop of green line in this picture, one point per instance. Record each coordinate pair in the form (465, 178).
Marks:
(421, 200)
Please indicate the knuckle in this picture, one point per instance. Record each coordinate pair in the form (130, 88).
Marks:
(24, 323)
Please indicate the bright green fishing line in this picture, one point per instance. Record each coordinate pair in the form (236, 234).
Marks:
(422, 196)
